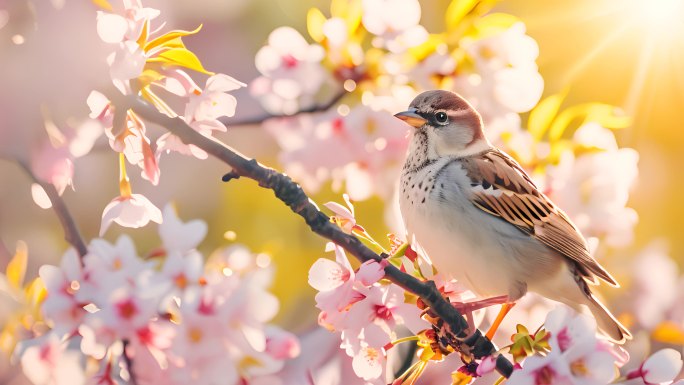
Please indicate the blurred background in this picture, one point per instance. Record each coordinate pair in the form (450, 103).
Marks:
(611, 51)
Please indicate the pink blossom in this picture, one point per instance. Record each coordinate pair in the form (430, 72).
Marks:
(213, 101)
(385, 307)
(178, 236)
(506, 78)
(364, 149)
(124, 312)
(292, 72)
(371, 272)
(61, 306)
(368, 363)
(54, 165)
(660, 368)
(387, 16)
(576, 357)
(47, 361)
(281, 344)
(130, 211)
(100, 108)
(335, 283)
(126, 63)
(344, 216)
(202, 110)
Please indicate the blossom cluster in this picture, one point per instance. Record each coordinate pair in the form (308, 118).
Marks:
(368, 312)
(365, 312)
(375, 61)
(174, 317)
(577, 356)
(492, 64)
(146, 63)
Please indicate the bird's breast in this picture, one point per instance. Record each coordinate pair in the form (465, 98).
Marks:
(439, 217)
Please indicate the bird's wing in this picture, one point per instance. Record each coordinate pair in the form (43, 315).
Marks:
(500, 187)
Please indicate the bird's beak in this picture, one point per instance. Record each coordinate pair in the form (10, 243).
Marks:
(411, 118)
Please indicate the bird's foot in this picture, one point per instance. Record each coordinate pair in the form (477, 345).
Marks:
(467, 308)
(505, 308)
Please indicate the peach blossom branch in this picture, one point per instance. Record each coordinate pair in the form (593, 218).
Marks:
(261, 118)
(475, 345)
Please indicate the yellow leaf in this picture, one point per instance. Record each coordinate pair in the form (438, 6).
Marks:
(457, 10)
(429, 46)
(494, 23)
(608, 116)
(354, 14)
(543, 114)
(180, 57)
(171, 39)
(104, 4)
(497, 20)
(314, 24)
(460, 378)
(603, 114)
(16, 269)
(36, 292)
(669, 332)
(148, 77)
(144, 34)
(339, 8)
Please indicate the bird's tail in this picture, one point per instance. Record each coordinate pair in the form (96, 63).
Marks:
(607, 323)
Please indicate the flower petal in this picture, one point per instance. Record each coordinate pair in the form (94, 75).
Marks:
(326, 275)
(662, 366)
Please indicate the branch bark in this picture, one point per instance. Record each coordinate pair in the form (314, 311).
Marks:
(71, 233)
(474, 346)
(261, 118)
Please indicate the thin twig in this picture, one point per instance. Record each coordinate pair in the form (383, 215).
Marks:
(261, 118)
(473, 346)
(71, 233)
(129, 363)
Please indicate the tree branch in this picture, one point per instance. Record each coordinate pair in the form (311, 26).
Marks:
(71, 233)
(261, 118)
(472, 346)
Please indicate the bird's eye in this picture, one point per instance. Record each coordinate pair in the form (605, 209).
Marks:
(441, 117)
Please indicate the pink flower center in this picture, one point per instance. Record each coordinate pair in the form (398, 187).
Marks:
(145, 335)
(338, 126)
(544, 376)
(206, 307)
(564, 340)
(127, 309)
(383, 312)
(47, 354)
(289, 61)
(339, 275)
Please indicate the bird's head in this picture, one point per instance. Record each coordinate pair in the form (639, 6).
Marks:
(444, 124)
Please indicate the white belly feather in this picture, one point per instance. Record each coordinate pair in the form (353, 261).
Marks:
(440, 220)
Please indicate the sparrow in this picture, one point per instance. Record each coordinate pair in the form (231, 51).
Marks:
(479, 217)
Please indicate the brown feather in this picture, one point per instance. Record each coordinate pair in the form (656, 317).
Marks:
(521, 204)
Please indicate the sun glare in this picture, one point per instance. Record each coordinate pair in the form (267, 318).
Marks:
(658, 14)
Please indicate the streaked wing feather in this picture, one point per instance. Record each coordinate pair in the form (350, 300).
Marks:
(511, 195)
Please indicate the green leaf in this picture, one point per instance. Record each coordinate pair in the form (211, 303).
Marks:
(314, 24)
(457, 10)
(543, 114)
(180, 57)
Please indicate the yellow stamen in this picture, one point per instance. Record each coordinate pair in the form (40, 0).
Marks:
(124, 184)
